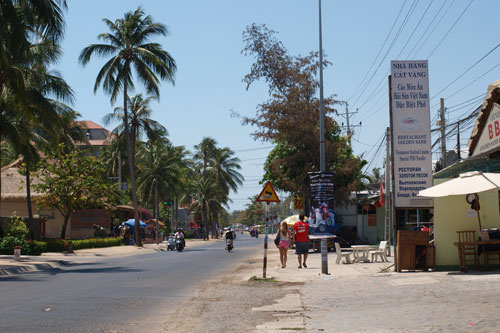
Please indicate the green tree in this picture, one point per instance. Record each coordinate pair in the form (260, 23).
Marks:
(290, 118)
(139, 119)
(129, 45)
(73, 181)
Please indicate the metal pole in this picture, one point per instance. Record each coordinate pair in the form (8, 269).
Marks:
(265, 243)
(324, 256)
(156, 211)
(393, 185)
(443, 133)
(387, 198)
(321, 106)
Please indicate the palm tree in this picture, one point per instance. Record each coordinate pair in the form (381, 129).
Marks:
(205, 152)
(129, 46)
(30, 31)
(161, 171)
(139, 119)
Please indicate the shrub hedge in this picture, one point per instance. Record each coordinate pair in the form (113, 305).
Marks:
(53, 245)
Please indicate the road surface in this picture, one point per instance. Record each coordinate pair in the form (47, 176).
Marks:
(119, 294)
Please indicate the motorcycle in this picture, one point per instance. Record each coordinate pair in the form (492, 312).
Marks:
(179, 244)
(171, 243)
(229, 245)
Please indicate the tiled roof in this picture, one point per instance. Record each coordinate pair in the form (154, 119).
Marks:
(89, 124)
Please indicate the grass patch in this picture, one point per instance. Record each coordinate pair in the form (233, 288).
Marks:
(258, 279)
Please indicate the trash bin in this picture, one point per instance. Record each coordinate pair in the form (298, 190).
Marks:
(17, 253)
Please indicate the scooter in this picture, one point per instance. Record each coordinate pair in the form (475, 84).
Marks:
(229, 245)
(171, 243)
(179, 245)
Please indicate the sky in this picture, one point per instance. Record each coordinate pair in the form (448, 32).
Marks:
(360, 38)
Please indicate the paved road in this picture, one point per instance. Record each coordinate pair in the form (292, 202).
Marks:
(133, 293)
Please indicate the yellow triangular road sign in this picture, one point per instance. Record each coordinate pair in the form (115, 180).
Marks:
(268, 194)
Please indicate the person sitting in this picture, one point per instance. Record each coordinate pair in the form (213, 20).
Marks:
(229, 234)
(180, 235)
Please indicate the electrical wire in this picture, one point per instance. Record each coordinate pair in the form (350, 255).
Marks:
(396, 37)
(379, 51)
(468, 69)
(456, 21)
(430, 24)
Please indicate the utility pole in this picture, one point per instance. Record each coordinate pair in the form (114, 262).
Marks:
(443, 134)
(156, 212)
(347, 120)
(387, 197)
(322, 161)
(458, 141)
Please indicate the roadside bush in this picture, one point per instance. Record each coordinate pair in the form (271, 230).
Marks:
(35, 248)
(15, 226)
(188, 234)
(55, 245)
(96, 242)
(7, 245)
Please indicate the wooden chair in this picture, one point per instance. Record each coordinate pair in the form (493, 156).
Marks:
(489, 255)
(340, 254)
(381, 252)
(468, 248)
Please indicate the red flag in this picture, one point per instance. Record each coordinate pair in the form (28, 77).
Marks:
(381, 200)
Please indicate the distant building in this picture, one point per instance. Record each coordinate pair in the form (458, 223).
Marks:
(97, 136)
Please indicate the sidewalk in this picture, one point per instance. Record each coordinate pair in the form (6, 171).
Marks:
(55, 260)
(371, 297)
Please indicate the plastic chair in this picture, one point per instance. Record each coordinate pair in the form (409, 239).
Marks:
(467, 247)
(381, 252)
(340, 254)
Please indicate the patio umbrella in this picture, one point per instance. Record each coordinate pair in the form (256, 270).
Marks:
(131, 223)
(290, 220)
(472, 182)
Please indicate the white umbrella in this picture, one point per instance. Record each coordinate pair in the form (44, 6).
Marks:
(467, 183)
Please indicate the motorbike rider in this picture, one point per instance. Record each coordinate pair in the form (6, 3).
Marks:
(229, 234)
(180, 235)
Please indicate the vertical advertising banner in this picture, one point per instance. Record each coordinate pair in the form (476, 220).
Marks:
(321, 192)
(411, 130)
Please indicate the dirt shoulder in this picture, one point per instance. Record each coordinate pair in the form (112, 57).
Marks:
(234, 302)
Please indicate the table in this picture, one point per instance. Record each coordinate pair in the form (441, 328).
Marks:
(461, 245)
(360, 252)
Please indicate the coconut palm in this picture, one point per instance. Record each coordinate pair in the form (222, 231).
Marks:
(128, 44)
(139, 119)
(205, 152)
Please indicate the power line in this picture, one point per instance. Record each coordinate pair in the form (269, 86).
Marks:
(394, 40)
(468, 69)
(430, 24)
(379, 51)
(456, 21)
(435, 26)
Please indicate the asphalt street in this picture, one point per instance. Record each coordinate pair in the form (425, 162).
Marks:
(119, 294)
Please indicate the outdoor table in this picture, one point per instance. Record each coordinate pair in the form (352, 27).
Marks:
(461, 245)
(360, 252)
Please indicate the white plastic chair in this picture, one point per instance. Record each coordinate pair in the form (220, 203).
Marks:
(340, 254)
(381, 252)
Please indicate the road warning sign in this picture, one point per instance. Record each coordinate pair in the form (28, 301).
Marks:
(268, 194)
(298, 203)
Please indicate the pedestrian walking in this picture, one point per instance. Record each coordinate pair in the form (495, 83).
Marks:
(284, 242)
(301, 240)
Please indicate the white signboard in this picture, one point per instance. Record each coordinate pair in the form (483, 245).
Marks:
(411, 132)
(490, 137)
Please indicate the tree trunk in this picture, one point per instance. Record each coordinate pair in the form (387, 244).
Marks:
(28, 198)
(1, 176)
(138, 241)
(65, 225)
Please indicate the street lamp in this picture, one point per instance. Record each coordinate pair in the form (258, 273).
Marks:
(156, 210)
(322, 163)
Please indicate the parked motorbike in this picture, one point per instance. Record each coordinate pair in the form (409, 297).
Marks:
(229, 245)
(171, 243)
(179, 244)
